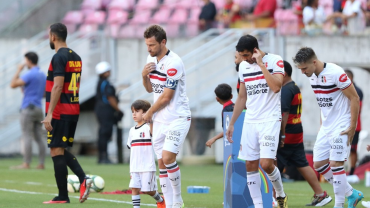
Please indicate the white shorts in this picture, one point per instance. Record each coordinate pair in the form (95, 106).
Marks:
(146, 181)
(259, 140)
(169, 136)
(332, 146)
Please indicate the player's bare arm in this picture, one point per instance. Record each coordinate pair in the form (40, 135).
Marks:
(274, 81)
(113, 102)
(163, 100)
(238, 108)
(352, 95)
(149, 67)
(283, 126)
(16, 81)
(54, 97)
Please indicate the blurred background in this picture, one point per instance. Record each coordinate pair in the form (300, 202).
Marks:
(204, 34)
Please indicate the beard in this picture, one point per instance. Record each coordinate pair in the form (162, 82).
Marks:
(237, 67)
(52, 46)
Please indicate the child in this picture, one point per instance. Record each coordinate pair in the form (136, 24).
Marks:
(223, 96)
(142, 165)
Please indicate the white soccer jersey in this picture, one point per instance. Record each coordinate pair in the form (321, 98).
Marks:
(335, 106)
(170, 73)
(140, 143)
(263, 104)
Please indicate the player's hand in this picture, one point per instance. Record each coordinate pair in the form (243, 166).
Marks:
(229, 133)
(350, 132)
(210, 142)
(282, 141)
(21, 66)
(368, 148)
(47, 123)
(257, 56)
(149, 67)
(148, 117)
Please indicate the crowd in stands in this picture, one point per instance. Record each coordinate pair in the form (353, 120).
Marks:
(129, 18)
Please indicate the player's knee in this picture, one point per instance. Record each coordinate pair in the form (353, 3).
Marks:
(336, 163)
(55, 151)
(267, 166)
(251, 165)
(168, 158)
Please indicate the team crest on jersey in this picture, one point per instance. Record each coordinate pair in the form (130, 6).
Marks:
(280, 64)
(323, 79)
(162, 67)
(343, 78)
(171, 72)
(142, 134)
(266, 65)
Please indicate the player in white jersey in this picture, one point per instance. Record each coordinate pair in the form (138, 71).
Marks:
(339, 104)
(261, 77)
(142, 164)
(164, 75)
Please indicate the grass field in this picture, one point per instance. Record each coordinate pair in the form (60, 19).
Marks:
(29, 188)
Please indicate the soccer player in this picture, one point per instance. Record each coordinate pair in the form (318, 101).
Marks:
(292, 150)
(164, 76)
(261, 78)
(62, 111)
(340, 106)
(142, 165)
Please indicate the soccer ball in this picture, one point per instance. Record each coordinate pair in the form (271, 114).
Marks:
(73, 184)
(97, 184)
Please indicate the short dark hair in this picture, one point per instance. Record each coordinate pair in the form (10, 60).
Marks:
(224, 92)
(287, 68)
(349, 72)
(156, 31)
(60, 30)
(247, 42)
(140, 105)
(32, 56)
(304, 55)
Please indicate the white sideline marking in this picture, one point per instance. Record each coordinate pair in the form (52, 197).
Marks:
(90, 198)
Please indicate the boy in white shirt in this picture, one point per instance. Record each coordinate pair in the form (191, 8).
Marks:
(142, 165)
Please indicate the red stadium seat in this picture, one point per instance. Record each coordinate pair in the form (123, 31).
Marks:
(88, 28)
(117, 17)
(180, 16)
(194, 15)
(72, 19)
(147, 4)
(121, 5)
(141, 16)
(185, 4)
(97, 17)
(92, 4)
(161, 16)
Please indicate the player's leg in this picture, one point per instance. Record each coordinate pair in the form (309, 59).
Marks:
(135, 185)
(175, 137)
(249, 151)
(28, 136)
(149, 186)
(353, 154)
(158, 141)
(38, 137)
(136, 197)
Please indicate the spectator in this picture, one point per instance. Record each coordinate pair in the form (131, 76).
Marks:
(106, 109)
(230, 13)
(313, 16)
(207, 15)
(263, 14)
(33, 86)
(298, 10)
(353, 14)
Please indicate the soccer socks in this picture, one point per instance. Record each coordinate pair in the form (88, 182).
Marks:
(174, 175)
(166, 187)
(157, 197)
(254, 186)
(136, 201)
(339, 184)
(61, 172)
(326, 171)
(73, 164)
(277, 183)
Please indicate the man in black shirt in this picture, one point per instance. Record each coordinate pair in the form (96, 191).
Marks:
(207, 15)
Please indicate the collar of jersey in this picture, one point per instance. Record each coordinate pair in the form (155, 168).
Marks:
(138, 127)
(168, 52)
(228, 103)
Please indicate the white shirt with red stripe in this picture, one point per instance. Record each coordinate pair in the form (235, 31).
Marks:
(263, 105)
(170, 73)
(335, 106)
(142, 154)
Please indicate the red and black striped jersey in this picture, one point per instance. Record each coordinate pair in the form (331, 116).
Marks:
(68, 64)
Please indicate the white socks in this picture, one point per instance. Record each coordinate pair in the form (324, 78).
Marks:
(136, 201)
(166, 187)
(174, 175)
(326, 171)
(276, 181)
(254, 186)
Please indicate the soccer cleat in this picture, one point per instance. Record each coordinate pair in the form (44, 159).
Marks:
(366, 204)
(282, 201)
(319, 201)
(85, 189)
(161, 204)
(355, 198)
(178, 205)
(57, 200)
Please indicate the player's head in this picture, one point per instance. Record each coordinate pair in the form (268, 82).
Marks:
(306, 60)
(103, 69)
(58, 33)
(246, 46)
(312, 3)
(155, 39)
(138, 108)
(31, 59)
(223, 93)
(287, 69)
(238, 60)
(349, 74)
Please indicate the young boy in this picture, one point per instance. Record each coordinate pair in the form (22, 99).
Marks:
(223, 96)
(142, 165)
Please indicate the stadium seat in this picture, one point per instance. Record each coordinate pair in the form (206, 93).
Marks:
(141, 17)
(180, 16)
(127, 31)
(72, 19)
(185, 4)
(169, 3)
(219, 4)
(194, 15)
(121, 5)
(88, 28)
(91, 4)
(147, 4)
(113, 30)
(161, 16)
(172, 30)
(139, 31)
(117, 17)
(97, 17)
(105, 4)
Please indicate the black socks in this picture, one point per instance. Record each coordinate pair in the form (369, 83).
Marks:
(61, 172)
(73, 164)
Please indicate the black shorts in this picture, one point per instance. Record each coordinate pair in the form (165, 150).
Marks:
(355, 142)
(291, 155)
(62, 134)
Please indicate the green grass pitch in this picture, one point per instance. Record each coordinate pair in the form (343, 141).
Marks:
(29, 188)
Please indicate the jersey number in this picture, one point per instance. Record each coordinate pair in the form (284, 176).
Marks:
(73, 84)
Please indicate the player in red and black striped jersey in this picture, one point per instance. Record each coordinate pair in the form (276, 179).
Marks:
(291, 151)
(62, 111)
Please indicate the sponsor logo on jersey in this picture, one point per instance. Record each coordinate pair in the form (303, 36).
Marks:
(343, 78)
(171, 72)
(280, 64)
